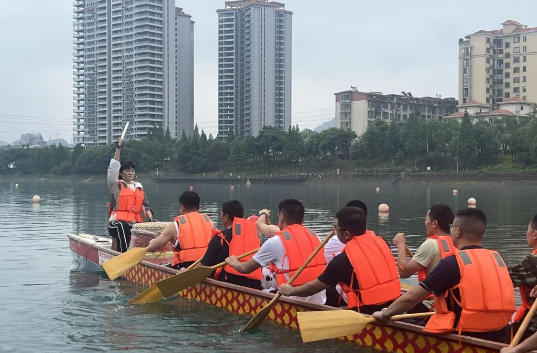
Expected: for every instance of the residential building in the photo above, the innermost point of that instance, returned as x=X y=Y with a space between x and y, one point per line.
x=32 y=140
x=498 y=64
x=515 y=107
x=355 y=109
x=254 y=67
x=133 y=61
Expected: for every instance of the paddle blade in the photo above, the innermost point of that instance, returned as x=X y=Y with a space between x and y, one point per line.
x=177 y=283
x=258 y=319
x=122 y=263
x=322 y=325
x=150 y=295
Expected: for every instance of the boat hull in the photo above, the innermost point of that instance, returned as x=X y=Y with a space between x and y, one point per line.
x=398 y=337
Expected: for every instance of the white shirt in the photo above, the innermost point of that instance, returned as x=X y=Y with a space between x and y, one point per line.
x=273 y=251
x=112 y=178
x=332 y=248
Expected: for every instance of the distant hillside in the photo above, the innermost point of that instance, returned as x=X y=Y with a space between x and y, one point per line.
x=58 y=141
x=326 y=125
x=3 y=143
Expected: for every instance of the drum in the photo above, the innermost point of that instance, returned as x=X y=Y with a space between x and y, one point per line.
x=141 y=235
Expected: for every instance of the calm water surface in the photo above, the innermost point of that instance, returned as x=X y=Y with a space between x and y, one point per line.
x=53 y=301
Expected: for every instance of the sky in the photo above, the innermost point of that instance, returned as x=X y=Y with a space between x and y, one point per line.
x=386 y=46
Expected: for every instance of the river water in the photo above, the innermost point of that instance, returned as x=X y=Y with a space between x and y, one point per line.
x=53 y=301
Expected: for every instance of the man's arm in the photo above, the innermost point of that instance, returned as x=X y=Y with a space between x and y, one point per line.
x=148 y=212
x=405 y=302
x=400 y=242
x=117 y=154
x=242 y=267
x=167 y=234
x=525 y=273
x=409 y=269
x=304 y=290
x=527 y=346
x=264 y=228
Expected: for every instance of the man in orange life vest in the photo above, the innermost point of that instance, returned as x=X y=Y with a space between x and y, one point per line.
x=286 y=251
x=366 y=291
x=437 y=245
x=474 y=294
x=189 y=234
x=529 y=344
x=524 y=276
x=131 y=201
x=239 y=237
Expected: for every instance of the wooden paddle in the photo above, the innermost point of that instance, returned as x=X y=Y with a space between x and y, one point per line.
x=258 y=319
x=322 y=325
x=153 y=294
x=120 y=264
x=408 y=251
x=524 y=325
x=177 y=283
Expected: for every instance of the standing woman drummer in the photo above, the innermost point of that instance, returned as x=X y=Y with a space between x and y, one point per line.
x=129 y=201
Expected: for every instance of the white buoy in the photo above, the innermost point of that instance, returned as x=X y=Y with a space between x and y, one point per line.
x=36 y=199
x=455 y=191
x=384 y=208
x=248 y=182
x=472 y=201
x=191 y=188
x=377 y=189
x=16 y=185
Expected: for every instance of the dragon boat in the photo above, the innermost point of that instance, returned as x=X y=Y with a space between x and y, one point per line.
x=396 y=337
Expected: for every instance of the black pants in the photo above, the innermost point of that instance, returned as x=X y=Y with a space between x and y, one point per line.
x=121 y=231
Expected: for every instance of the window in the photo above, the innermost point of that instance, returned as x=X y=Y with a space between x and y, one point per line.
x=507 y=65
x=465 y=81
x=465 y=62
x=507 y=45
x=465 y=92
x=488 y=50
x=506 y=95
x=516 y=40
x=524 y=58
x=524 y=38
x=516 y=60
x=507 y=75
x=523 y=68
x=516 y=50
x=516 y=79
x=523 y=78
x=524 y=48
x=507 y=55
x=465 y=71
x=523 y=88
x=488 y=40
x=507 y=85
x=516 y=89
x=516 y=70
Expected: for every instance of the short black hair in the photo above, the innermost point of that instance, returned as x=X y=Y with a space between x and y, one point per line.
x=233 y=209
x=292 y=210
x=473 y=221
x=190 y=200
x=352 y=219
x=125 y=166
x=533 y=223
x=443 y=214
x=357 y=203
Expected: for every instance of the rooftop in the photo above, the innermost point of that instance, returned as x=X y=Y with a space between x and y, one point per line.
x=242 y=4
x=473 y=103
x=520 y=28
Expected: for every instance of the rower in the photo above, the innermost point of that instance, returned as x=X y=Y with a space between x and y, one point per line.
x=474 y=294
x=189 y=234
x=437 y=246
x=524 y=276
x=131 y=201
x=285 y=252
x=367 y=290
x=238 y=237
x=334 y=245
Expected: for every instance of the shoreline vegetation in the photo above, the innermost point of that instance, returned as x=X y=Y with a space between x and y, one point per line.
x=418 y=150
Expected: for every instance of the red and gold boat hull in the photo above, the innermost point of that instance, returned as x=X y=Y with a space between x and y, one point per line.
x=397 y=337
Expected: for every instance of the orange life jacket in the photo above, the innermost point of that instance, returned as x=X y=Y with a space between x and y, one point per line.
x=195 y=232
x=524 y=294
x=375 y=269
x=129 y=203
x=445 y=243
x=299 y=243
x=486 y=292
x=245 y=238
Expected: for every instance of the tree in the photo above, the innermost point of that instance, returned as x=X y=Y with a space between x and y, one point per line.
x=414 y=138
x=487 y=144
x=467 y=142
x=293 y=148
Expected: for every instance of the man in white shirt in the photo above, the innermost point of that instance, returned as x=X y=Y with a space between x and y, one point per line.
x=273 y=252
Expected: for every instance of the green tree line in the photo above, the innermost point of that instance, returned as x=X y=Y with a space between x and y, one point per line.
x=411 y=146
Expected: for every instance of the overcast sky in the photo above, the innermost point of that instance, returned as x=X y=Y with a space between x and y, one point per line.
x=386 y=46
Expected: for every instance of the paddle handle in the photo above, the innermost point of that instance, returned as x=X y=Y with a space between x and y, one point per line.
x=524 y=325
x=411 y=316
x=125 y=130
x=308 y=260
x=408 y=251
x=194 y=264
x=222 y=264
